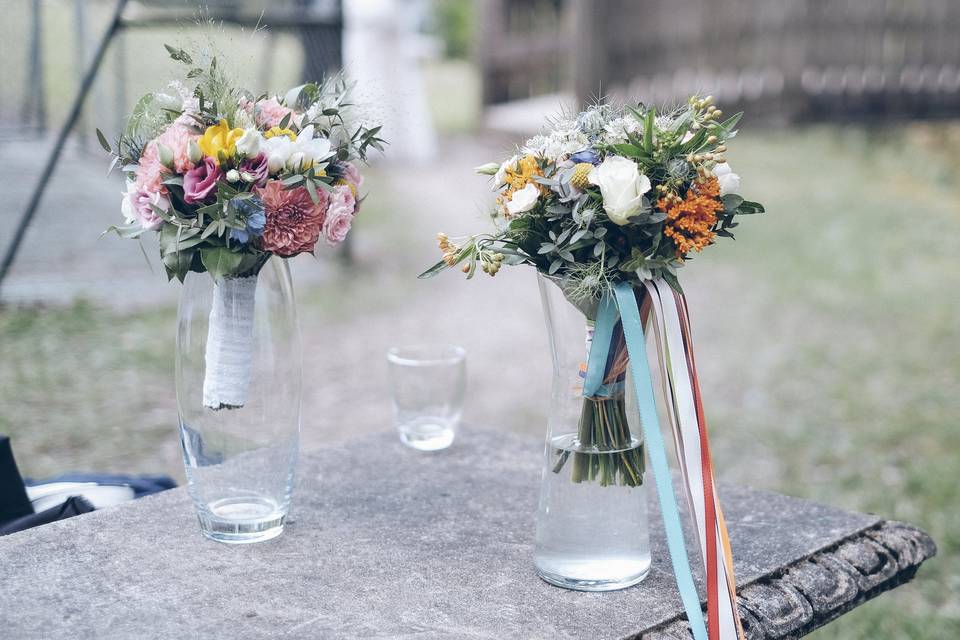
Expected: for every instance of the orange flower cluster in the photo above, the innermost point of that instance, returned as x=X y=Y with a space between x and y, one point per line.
x=517 y=177
x=690 y=220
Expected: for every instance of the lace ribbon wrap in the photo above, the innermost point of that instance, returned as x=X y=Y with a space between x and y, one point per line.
x=229 y=353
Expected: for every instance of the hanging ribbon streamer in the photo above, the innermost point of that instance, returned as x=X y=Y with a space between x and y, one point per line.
x=670 y=323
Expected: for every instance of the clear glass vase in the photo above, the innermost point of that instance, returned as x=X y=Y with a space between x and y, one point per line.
x=238 y=395
x=592 y=530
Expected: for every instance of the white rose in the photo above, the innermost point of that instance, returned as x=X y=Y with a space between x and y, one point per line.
x=233 y=175
x=248 y=145
x=729 y=181
x=523 y=199
x=621 y=186
x=500 y=177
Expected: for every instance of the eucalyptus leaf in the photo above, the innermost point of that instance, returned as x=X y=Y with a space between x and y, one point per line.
x=220 y=261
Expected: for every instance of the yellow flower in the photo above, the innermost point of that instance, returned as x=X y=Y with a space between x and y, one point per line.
x=581 y=174
x=277 y=131
x=219 y=139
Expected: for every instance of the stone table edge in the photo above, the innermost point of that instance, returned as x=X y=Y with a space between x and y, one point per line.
x=793 y=601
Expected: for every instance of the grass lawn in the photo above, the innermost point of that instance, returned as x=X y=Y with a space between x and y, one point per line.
x=828 y=338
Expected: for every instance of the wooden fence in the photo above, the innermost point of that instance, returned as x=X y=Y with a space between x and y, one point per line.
x=786 y=60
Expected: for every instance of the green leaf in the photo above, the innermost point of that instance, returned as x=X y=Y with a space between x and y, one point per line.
x=671 y=280
x=746 y=208
x=285 y=122
x=628 y=149
x=128 y=231
x=648 y=130
x=103 y=141
x=730 y=123
x=434 y=270
x=177 y=263
x=731 y=202
x=220 y=261
x=312 y=190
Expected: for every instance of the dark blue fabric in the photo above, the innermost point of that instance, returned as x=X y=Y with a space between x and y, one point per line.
x=74 y=506
x=141 y=485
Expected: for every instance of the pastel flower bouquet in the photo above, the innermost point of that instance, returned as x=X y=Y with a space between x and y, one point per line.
x=610 y=195
x=228 y=179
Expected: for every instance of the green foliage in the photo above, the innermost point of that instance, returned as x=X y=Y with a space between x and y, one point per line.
x=455 y=24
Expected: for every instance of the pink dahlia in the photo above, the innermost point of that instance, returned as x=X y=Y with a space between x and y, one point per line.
x=177 y=138
x=339 y=217
x=293 y=220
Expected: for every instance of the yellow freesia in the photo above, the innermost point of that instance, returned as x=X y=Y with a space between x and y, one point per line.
x=277 y=131
x=219 y=138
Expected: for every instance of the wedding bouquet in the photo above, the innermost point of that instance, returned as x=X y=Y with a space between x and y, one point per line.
x=227 y=179
x=610 y=195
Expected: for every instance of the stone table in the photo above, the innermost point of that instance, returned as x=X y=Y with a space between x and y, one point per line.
x=387 y=542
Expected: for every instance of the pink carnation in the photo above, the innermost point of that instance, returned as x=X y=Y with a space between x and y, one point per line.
x=339 y=215
x=293 y=220
x=150 y=173
x=177 y=138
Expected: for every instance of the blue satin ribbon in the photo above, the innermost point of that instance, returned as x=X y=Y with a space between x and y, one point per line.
x=656 y=448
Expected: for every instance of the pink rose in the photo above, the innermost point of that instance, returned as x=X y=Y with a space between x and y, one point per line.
x=138 y=206
x=339 y=218
x=200 y=182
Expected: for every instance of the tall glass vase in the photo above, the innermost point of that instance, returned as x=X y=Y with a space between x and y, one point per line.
x=592 y=531
x=238 y=395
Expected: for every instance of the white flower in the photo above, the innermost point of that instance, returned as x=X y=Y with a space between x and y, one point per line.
x=558 y=143
x=616 y=131
x=233 y=175
x=277 y=150
x=500 y=177
x=524 y=199
x=296 y=162
x=563 y=143
x=535 y=145
x=622 y=187
x=314 y=150
x=248 y=145
x=729 y=181
x=687 y=137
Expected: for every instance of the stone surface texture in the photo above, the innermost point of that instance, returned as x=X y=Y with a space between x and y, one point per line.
x=387 y=542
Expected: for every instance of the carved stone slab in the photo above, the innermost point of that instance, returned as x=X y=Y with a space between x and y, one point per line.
x=386 y=542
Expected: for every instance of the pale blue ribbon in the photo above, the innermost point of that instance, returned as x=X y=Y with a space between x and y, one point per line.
x=643 y=384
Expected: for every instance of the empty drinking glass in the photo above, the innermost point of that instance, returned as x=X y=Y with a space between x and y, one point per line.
x=428 y=383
